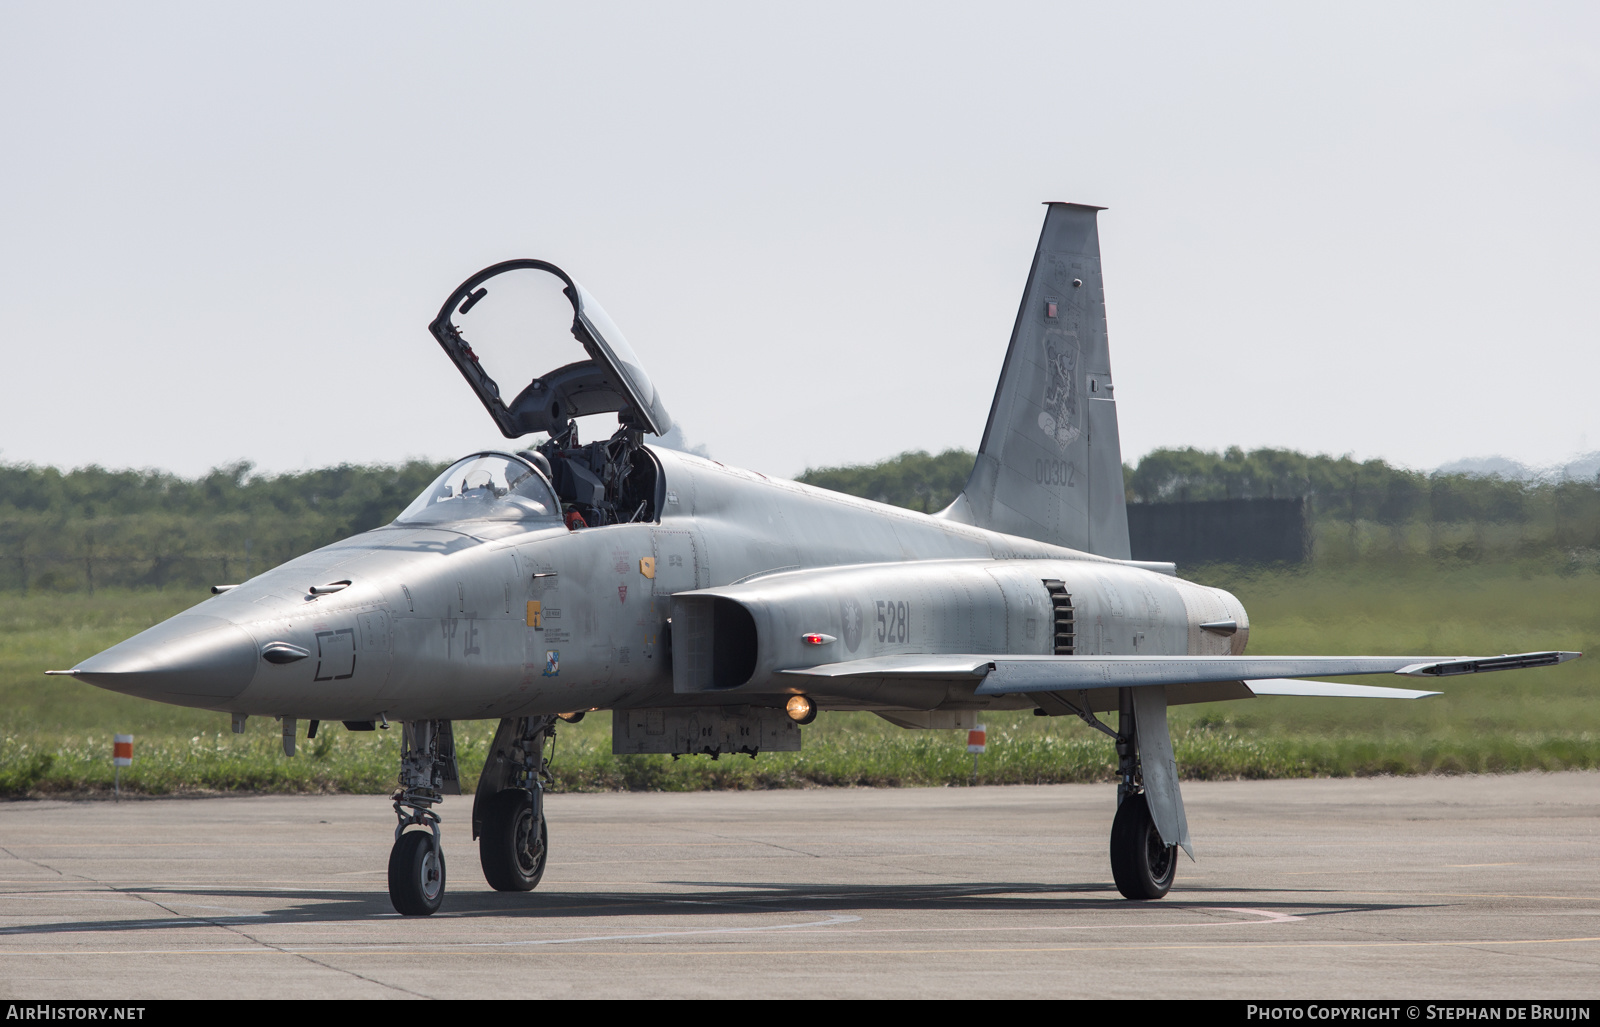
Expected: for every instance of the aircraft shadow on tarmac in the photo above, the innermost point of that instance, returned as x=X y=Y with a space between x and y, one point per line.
x=711 y=898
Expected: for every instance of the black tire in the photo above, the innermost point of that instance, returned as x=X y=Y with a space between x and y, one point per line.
x=513 y=847
x=1142 y=866
x=416 y=874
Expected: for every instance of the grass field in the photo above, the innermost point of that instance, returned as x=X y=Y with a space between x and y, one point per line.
x=55 y=734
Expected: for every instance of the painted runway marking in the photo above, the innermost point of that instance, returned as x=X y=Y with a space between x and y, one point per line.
x=1267 y=917
x=810 y=927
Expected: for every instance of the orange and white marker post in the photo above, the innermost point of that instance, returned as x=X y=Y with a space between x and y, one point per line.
x=977 y=744
x=121 y=756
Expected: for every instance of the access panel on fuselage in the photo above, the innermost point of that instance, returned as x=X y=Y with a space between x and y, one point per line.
x=676 y=561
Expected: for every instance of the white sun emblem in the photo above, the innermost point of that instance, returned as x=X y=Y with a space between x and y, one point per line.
x=851 y=611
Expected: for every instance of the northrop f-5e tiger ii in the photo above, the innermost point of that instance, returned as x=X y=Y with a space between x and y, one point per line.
x=715 y=610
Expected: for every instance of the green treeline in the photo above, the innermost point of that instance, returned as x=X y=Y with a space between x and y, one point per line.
x=1372 y=510
x=1359 y=510
x=1340 y=488
x=1373 y=490
x=913 y=479
x=90 y=528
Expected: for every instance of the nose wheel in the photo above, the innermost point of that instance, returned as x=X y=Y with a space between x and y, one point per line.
x=416 y=874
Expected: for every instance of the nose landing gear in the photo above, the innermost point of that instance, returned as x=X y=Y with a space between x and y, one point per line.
x=427 y=773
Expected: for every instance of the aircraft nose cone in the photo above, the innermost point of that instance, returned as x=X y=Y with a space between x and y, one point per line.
x=190 y=660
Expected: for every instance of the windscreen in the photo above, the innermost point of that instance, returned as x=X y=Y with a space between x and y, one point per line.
x=484 y=487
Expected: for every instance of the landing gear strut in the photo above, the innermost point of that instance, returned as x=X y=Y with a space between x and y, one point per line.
x=427 y=774
x=1141 y=864
x=508 y=812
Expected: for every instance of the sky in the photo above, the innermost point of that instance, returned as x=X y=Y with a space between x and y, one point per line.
x=1356 y=228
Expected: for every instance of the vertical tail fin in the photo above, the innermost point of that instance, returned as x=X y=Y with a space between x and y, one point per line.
x=1050 y=466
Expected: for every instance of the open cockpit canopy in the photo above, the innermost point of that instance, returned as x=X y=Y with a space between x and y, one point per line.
x=494 y=311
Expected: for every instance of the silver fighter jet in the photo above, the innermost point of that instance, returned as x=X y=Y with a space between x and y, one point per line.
x=716 y=610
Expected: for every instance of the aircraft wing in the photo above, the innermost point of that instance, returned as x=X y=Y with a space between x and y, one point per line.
x=1004 y=674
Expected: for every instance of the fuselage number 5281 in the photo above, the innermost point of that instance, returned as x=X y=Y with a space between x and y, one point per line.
x=892 y=620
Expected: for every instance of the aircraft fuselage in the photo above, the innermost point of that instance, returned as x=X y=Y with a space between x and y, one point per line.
x=485 y=620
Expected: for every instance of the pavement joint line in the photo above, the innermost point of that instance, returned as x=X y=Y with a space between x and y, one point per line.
x=661 y=950
x=216 y=922
x=230 y=928
x=226 y=921
x=807 y=928
x=34 y=862
x=1476 y=895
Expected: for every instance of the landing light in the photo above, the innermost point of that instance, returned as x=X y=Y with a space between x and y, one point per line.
x=800 y=709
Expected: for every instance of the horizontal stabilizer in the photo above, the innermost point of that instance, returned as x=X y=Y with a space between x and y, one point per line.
x=1005 y=674
x=1331 y=689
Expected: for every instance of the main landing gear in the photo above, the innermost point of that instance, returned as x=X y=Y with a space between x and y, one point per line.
x=515 y=840
x=1141 y=864
x=507 y=811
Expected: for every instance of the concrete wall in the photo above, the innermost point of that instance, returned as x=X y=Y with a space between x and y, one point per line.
x=1240 y=531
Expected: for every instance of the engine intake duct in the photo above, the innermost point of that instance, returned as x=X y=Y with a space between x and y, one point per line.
x=714 y=644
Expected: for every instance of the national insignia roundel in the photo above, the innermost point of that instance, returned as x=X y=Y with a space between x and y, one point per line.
x=850 y=614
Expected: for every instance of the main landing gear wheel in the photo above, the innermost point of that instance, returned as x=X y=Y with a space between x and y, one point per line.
x=1143 y=867
x=416 y=874
x=515 y=842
